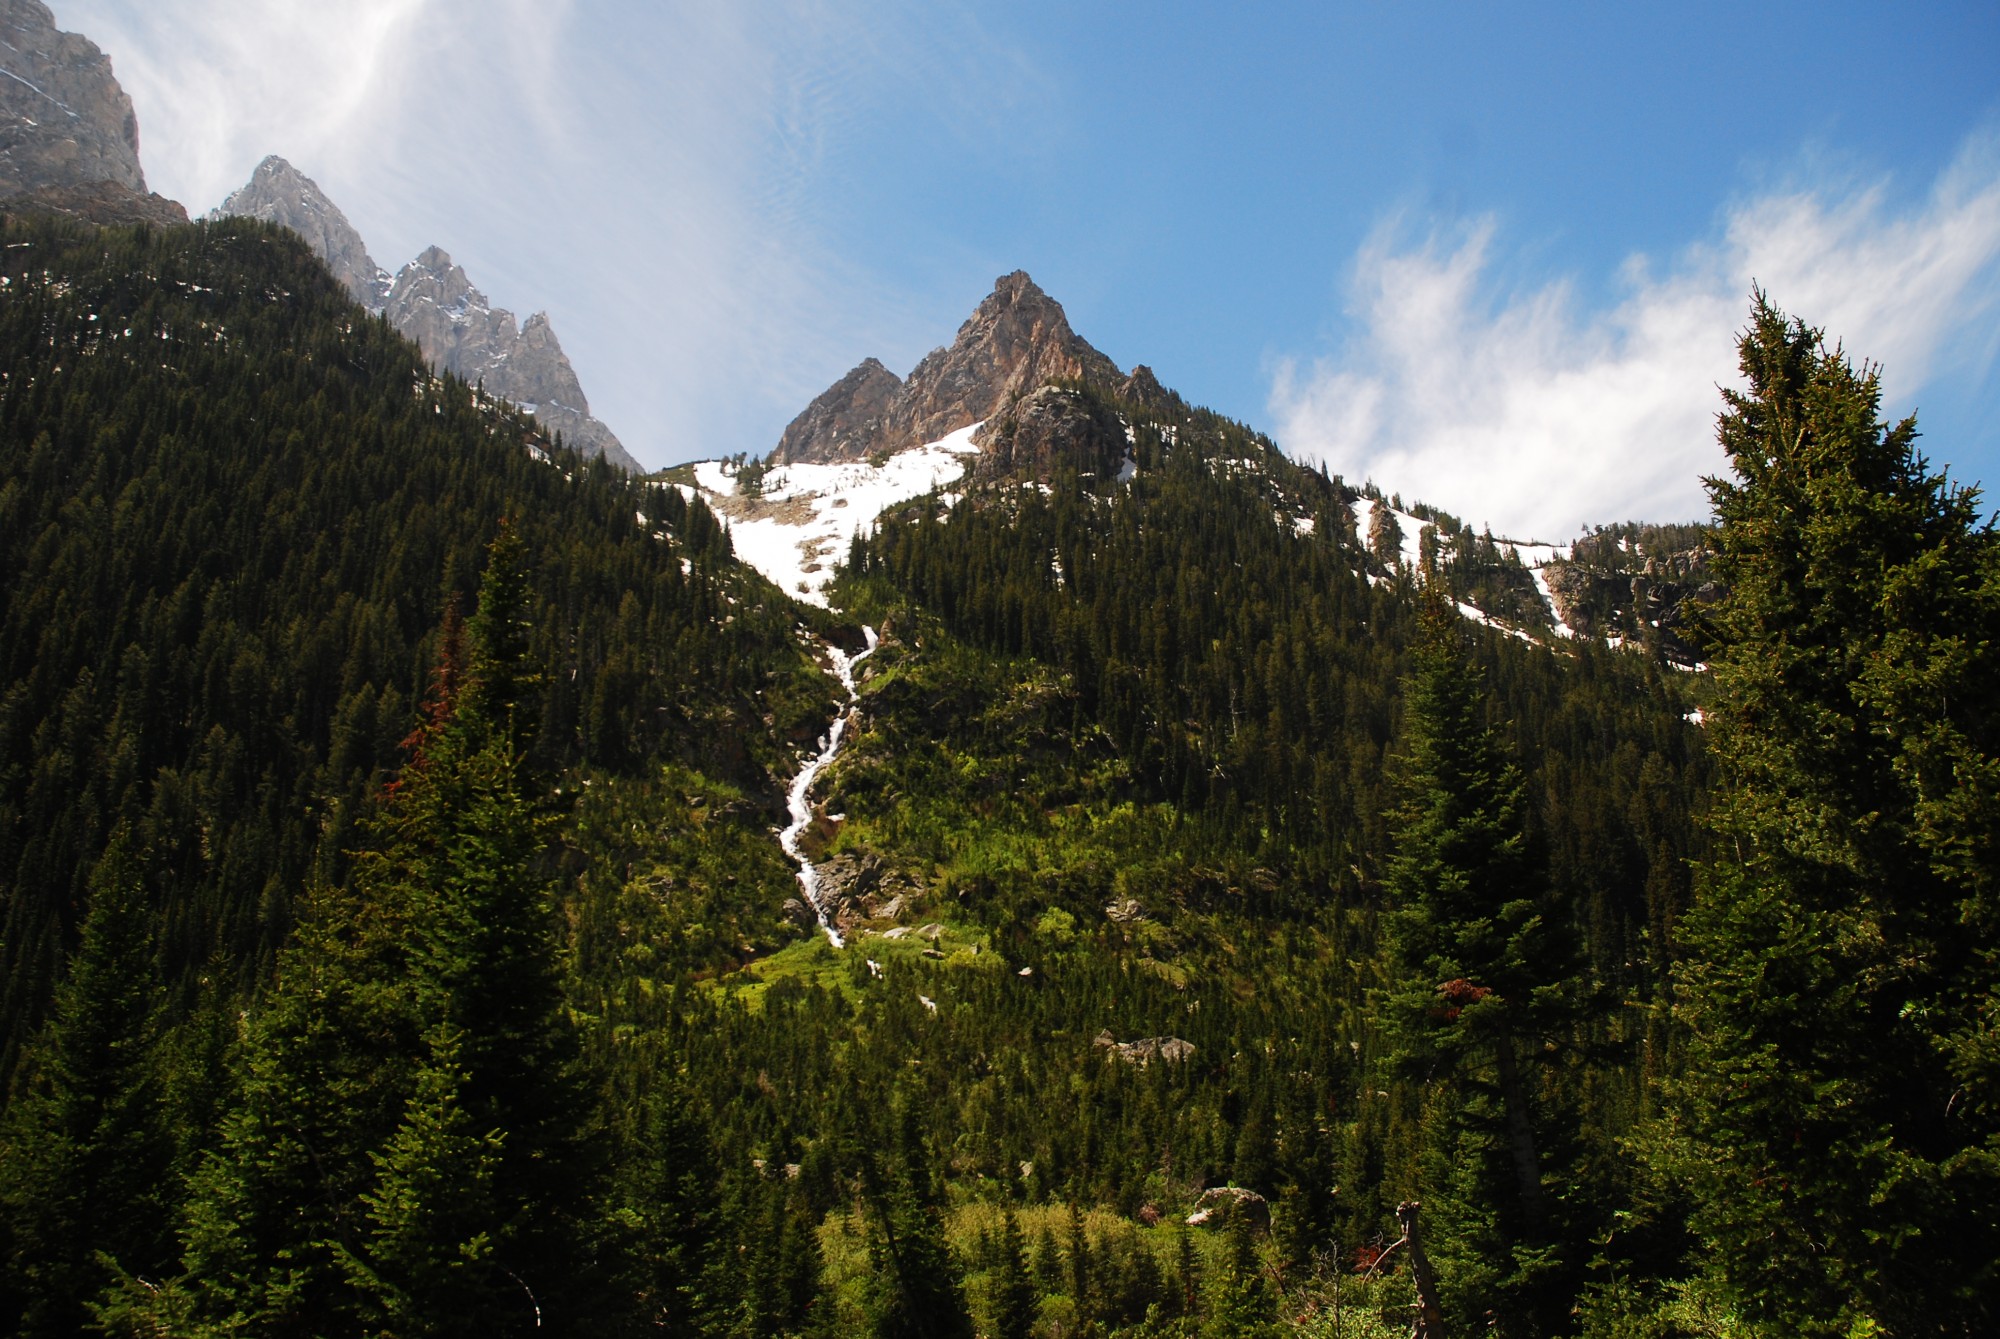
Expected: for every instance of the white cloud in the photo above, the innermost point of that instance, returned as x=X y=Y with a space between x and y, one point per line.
x=1532 y=413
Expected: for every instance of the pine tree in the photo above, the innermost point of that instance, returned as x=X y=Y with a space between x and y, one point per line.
x=674 y=1227
x=86 y=1156
x=427 y=1265
x=411 y=1147
x=915 y=1286
x=1481 y=975
x=1014 y=1291
x=1840 y=1113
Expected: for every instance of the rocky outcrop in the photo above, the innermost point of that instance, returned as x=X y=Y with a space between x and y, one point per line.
x=433 y=302
x=1639 y=582
x=855 y=890
x=279 y=193
x=1017 y=341
x=1167 y=1050
x=1221 y=1205
x=64 y=120
x=105 y=203
x=1051 y=429
x=845 y=420
x=69 y=139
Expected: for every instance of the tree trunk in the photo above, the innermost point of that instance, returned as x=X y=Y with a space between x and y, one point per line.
x=1429 y=1322
x=1520 y=1133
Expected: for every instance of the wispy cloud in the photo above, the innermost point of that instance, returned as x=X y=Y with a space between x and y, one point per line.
x=1536 y=413
x=655 y=176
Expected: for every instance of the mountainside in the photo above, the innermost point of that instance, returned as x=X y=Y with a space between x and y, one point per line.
x=231 y=516
x=69 y=138
x=1026 y=858
x=433 y=302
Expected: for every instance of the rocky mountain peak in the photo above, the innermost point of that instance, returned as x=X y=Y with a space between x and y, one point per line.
x=69 y=139
x=433 y=301
x=1016 y=340
x=279 y=193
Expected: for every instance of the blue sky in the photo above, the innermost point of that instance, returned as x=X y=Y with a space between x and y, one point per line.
x=1490 y=256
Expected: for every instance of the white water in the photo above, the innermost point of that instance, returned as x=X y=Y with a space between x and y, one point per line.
x=800 y=802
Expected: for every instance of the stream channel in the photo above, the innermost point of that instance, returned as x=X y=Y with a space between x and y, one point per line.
x=800 y=798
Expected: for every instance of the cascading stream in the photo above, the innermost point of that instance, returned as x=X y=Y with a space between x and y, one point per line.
x=800 y=801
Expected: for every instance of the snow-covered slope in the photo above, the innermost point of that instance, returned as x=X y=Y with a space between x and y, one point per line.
x=795 y=528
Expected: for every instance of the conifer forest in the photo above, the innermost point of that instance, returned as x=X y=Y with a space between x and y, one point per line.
x=1218 y=932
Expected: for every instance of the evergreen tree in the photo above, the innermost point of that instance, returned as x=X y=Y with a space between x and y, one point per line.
x=915 y=1286
x=675 y=1233
x=427 y=1265
x=1840 y=1117
x=411 y=1149
x=86 y=1155
x=1014 y=1292
x=1239 y=1304
x=1481 y=975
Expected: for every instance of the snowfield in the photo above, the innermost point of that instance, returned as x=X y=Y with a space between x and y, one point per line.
x=796 y=530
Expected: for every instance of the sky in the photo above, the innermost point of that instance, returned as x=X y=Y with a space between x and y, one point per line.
x=1491 y=257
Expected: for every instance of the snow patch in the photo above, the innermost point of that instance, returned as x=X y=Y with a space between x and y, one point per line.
x=798 y=526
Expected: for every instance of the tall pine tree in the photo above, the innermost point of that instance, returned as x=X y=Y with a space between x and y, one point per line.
x=1482 y=975
x=86 y=1157
x=411 y=1152
x=1839 y=1119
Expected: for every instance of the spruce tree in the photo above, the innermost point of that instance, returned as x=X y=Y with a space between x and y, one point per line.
x=1482 y=975
x=916 y=1290
x=1014 y=1291
x=1839 y=1118
x=86 y=1156
x=412 y=1147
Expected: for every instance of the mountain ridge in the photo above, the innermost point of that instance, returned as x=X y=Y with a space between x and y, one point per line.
x=433 y=301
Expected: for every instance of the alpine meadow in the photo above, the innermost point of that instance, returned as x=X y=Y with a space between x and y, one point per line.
x=1025 y=856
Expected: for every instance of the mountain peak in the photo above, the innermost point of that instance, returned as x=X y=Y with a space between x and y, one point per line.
x=279 y=193
x=1016 y=340
x=432 y=301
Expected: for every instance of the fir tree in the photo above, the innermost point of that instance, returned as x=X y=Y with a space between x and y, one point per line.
x=1014 y=1291
x=86 y=1156
x=1839 y=1118
x=1481 y=975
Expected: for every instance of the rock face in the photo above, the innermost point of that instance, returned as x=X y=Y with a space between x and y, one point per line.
x=69 y=139
x=63 y=118
x=1050 y=428
x=1017 y=341
x=845 y=420
x=279 y=193
x=432 y=302
x=1641 y=582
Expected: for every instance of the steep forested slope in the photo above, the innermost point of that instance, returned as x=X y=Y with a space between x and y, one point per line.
x=233 y=510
